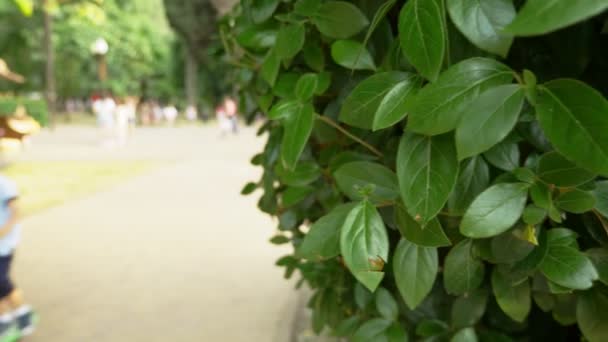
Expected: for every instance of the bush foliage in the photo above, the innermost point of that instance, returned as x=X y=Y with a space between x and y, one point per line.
x=439 y=166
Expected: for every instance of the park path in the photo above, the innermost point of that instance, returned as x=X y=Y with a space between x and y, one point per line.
x=175 y=254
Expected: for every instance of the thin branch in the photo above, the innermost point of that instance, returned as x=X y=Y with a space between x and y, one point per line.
x=601 y=219
x=350 y=135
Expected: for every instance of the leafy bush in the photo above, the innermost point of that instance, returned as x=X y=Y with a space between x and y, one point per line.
x=35 y=108
x=451 y=156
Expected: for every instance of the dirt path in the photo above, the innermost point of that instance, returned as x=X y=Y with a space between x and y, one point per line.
x=172 y=255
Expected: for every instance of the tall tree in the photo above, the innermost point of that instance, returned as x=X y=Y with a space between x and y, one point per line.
x=194 y=22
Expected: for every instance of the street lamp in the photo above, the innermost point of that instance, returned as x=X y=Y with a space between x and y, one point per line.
x=100 y=48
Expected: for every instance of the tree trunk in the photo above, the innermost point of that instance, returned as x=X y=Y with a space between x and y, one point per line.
x=191 y=78
x=50 y=61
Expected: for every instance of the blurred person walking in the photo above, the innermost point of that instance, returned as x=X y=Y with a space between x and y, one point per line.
x=231 y=112
x=104 y=109
x=170 y=114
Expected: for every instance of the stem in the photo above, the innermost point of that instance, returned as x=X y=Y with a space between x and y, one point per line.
x=518 y=78
x=448 y=58
x=601 y=219
x=350 y=135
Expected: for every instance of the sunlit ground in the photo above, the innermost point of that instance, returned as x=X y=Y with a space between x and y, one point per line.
x=44 y=184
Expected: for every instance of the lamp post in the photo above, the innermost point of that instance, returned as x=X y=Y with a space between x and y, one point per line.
x=100 y=48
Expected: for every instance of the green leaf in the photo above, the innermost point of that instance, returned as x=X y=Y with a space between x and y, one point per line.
x=462 y=272
x=423 y=35
x=601 y=196
x=542 y=16
x=495 y=210
x=427 y=170
x=323 y=240
x=431 y=327
x=439 y=106
x=386 y=305
x=396 y=333
x=362 y=103
x=323 y=82
x=261 y=10
x=290 y=40
x=392 y=107
x=504 y=156
x=467 y=310
x=372 y=330
x=524 y=174
x=415 y=269
x=353 y=176
x=431 y=235
x=306 y=86
x=307 y=8
x=575 y=201
x=364 y=244
x=489 y=120
x=599 y=257
x=25 y=6
x=314 y=55
x=567 y=266
x=363 y=297
x=465 y=335
x=509 y=247
x=295 y=194
x=572 y=115
x=514 y=300
x=249 y=188
x=279 y=239
x=304 y=173
x=295 y=137
x=352 y=55
x=257 y=38
x=482 y=22
x=534 y=215
x=348 y=326
x=592 y=315
x=270 y=67
x=286 y=84
x=554 y=169
x=284 y=108
x=473 y=178
x=339 y=19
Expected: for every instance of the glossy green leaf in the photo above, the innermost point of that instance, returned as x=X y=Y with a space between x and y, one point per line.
x=348 y=326
x=482 y=22
x=261 y=10
x=504 y=155
x=465 y=335
x=386 y=304
x=257 y=38
x=362 y=103
x=284 y=108
x=575 y=201
x=510 y=247
x=304 y=173
x=432 y=235
x=495 y=210
x=307 y=7
x=534 y=215
x=249 y=188
x=567 y=266
x=352 y=55
x=270 y=67
x=363 y=297
x=514 y=300
x=554 y=169
x=290 y=41
x=306 y=86
x=431 y=327
x=462 y=273
x=422 y=34
x=427 y=170
x=543 y=16
x=473 y=178
x=396 y=333
x=467 y=310
x=490 y=118
x=391 y=109
x=573 y=115
x=286 y=84
x=599 y=258
x=372 y=330
x=354 y=176
x=592 y=315
x=601 y=196
x=339 y=19
x=323 y=240
x=297 y=132
x=439 y=106
x=364 y=244
x=314 y=55
x=415 y=269
x=295 y=194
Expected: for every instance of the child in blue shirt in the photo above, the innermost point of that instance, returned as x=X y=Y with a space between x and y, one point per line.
x=14 y=313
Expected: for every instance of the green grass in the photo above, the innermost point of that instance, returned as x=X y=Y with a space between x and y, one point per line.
x=50 y=183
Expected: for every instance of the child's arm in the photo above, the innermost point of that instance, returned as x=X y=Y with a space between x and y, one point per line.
x=12 y=218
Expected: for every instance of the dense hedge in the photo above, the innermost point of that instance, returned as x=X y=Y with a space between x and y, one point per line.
x=438 y=166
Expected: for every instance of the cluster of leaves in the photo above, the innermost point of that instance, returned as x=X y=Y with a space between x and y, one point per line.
x=450 y=155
